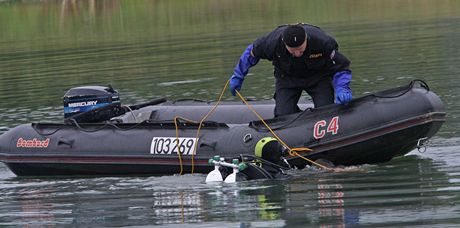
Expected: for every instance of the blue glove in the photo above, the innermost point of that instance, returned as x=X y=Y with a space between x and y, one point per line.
x=241 y=69
x=235 y=84
x=343 y=96
x=341 y=83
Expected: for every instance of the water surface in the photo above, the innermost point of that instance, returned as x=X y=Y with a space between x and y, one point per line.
x=187 y=49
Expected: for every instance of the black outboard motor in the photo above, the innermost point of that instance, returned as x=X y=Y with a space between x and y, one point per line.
x=93 y=104
x=90 y=104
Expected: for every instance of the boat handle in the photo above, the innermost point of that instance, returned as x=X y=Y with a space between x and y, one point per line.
x=212 y=145
x=247 y=138
x=421 y=144
x=68 y=142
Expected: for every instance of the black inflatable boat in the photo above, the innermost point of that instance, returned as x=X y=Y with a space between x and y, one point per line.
x=111 y=139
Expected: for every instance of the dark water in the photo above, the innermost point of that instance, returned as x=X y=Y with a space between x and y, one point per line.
x=184 y=49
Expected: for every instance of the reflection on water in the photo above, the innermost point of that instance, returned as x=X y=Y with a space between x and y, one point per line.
x=331 y=206
x=380 y=195
x=187 y=49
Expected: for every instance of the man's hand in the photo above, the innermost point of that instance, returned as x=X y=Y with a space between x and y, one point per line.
x=235 y=84
x=343 y=96
x=341 y=82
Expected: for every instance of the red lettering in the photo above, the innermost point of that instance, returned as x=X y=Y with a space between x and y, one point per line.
x=333 y=126
x=320 y=130
x=34 y=143
x=317 y=131
x=45 y=143
x=19 y=143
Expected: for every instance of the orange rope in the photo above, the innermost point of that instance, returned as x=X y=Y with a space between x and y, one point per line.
x=302 y=149
x=200 y=124
x=177 y=142
x=292 y=152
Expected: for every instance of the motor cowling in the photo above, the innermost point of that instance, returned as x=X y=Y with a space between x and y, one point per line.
x=86 y=103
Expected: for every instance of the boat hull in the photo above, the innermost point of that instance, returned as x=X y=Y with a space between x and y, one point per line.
x=371 y=129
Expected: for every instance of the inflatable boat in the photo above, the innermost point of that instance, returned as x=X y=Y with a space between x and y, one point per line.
x=102 y=137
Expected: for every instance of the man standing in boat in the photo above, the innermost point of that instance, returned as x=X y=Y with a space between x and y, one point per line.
x=305 y=59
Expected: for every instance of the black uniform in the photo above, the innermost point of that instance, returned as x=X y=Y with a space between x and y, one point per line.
x=311 y=72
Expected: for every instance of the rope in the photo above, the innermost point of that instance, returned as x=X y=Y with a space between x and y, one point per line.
x=292 y=151
x=177 y=142
x=409 y=87
x=200 y=124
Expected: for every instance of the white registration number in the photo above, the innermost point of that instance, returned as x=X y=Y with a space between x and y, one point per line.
x=169 y=145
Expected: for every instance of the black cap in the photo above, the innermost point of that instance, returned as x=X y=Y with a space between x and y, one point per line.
x=294 y=35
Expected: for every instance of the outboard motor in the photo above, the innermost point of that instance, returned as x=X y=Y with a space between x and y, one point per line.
x=89 y=104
